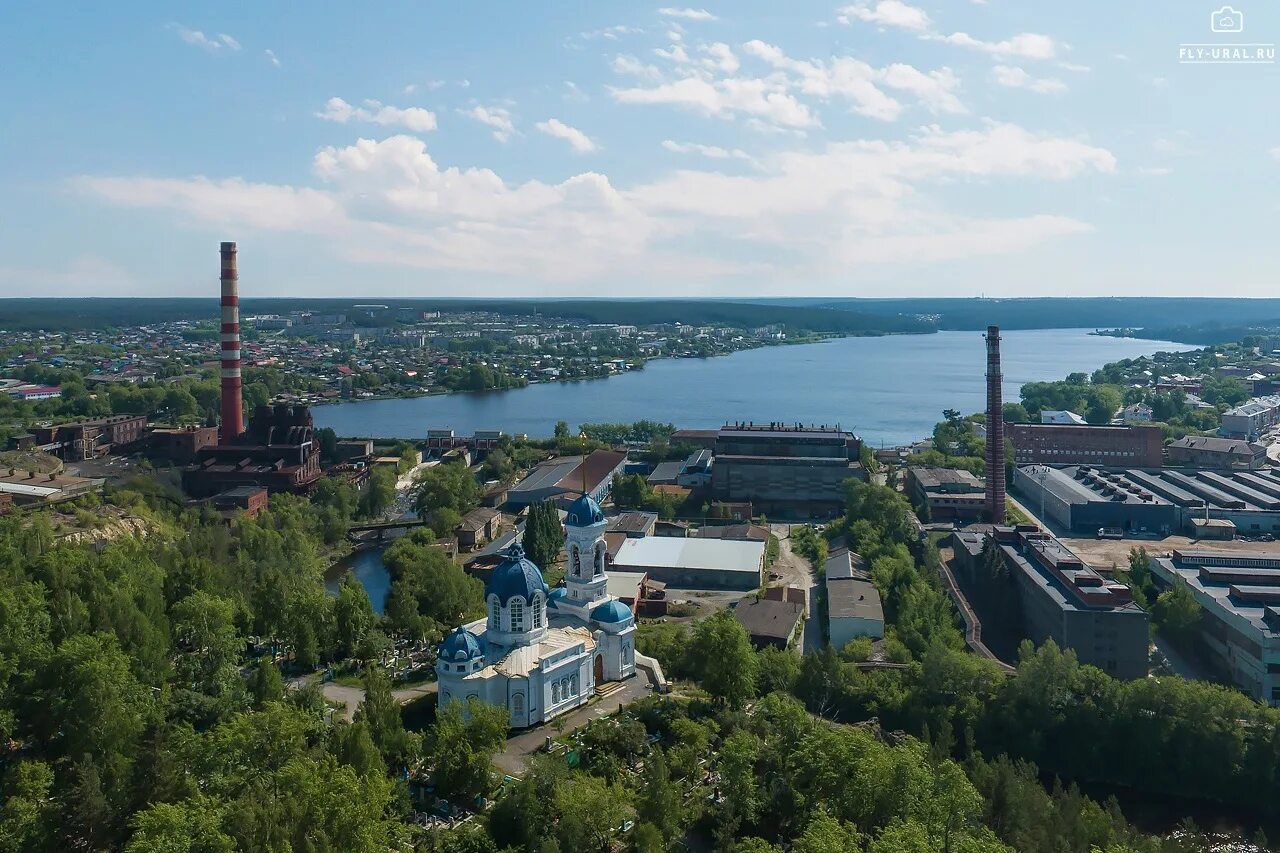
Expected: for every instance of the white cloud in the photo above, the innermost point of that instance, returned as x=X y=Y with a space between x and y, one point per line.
x=610 y=33
x=725 y=98
x=719 y=57
x=1275 y=153
x=1155 y=171
x=632 y=67
x=1074 y=67
x=578 y=141
x=573 y=92
x=888 y=13
x=272 y=58
x=1017 y=78
x=195 y=38
x=863 y=201
x=498 y=118
x=859 y=83
x=1021 y=46
x=713 y=152
x=676 y=53
x=687 y=14
x=416 y=119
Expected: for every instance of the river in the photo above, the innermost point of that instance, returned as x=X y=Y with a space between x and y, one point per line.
x=890 y=390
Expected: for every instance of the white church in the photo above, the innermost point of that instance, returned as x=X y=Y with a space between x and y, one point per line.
x=541 y=652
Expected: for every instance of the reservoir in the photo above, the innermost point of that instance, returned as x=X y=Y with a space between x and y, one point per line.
x=889 y=390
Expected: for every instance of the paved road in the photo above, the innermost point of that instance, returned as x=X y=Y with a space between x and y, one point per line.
x=350 y=697
x=796 y=571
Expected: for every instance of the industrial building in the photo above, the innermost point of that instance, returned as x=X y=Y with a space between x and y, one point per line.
x=564 y=477
x=1073 y=444
x=1049 y=416
x=695 y=471
x=1084 y=498
x=32 y=488
x=440 y=441
x=1205 y=452
x=278 y=452
x=1239 y=594
x=694 y=563
x=180 y=445
x=1064 y=600
x=785 y=468
x=854 y=608
x=947 y=494
x=82 y=440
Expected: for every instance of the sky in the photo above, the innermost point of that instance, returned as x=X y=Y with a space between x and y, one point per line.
x=863 y=148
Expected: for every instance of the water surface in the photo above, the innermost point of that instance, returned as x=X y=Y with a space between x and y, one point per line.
x=890 y=390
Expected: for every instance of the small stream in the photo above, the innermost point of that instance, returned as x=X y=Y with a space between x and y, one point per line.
x=369 y=570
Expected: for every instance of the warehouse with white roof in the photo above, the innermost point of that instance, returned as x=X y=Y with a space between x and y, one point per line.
x=694 y=563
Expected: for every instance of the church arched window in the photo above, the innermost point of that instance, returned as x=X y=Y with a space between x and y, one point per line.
x=599 y=559
x=495 y=614
x=517 y=703
x=575 y=562
x=555 y=692
x=516 y=609
x=536 y=615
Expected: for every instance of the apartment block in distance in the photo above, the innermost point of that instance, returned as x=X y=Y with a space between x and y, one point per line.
x=1073 y=444
x=1239 y=596
x=785 y=468
x=1070 y=603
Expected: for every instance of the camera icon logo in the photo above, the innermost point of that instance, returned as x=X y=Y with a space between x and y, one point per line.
x=1227 y=20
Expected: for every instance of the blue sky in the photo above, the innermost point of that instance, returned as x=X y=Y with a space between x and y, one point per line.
x=850 y=148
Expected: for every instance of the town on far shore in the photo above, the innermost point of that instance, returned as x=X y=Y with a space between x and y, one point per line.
x=609 y=597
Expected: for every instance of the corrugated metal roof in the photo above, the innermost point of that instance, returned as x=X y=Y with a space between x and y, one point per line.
x=686 y=553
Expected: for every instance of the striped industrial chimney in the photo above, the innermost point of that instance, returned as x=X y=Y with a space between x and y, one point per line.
x=995 y=429
x=232 y=401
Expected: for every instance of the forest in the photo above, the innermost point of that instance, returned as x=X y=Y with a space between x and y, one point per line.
x=70 y=314
x=157 y=694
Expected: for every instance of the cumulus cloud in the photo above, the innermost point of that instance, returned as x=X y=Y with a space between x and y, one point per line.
x=862 y=201
x=720 y=57
x=629 y=66
x=895 y=13
x=498 y=118
x=1017 y=78
x=214 y=44
x=732 y=96
x=1021 y=46
x=687 y=14
x=578 y=141
x=859 y=83
x=416 y=119
x=888 y=13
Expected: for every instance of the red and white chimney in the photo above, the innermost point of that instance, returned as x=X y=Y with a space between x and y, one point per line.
x=232 y=399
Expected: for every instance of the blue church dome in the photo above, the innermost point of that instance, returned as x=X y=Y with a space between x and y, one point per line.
x=461 y=645
x=557 y=594
x=611 y=612
x=585 y=512
x=516 y=575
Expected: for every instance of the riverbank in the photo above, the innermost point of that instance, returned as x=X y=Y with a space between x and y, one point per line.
x=890 y=389
x=634 y=363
